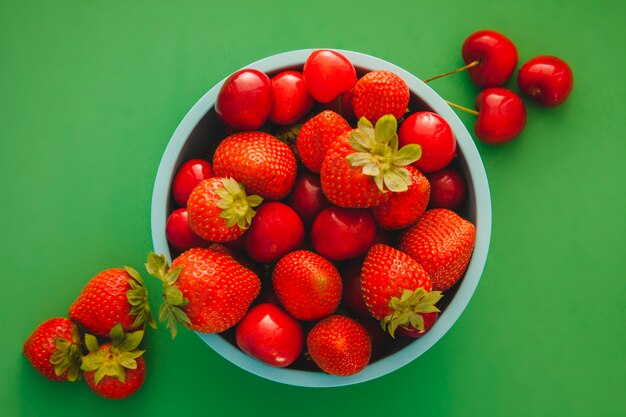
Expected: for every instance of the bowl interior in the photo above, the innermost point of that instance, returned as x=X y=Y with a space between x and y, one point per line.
x=199 y=133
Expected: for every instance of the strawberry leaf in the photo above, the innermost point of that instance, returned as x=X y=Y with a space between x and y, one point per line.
x=157 y=265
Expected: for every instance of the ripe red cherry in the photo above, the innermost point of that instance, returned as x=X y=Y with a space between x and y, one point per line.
x=269 y=334
x=190 y=174
x=339 y=233
x=342 y=105
x=547 y=79
x=307 y=198
x=275 y=230
x=433 y=134
x=291 y=98
x=352 y=295
x=496 y=56
x=245 y=100
x=447 y=189
x=328 y=74
x=179 y=234
x=502 y=116
x=429 y=321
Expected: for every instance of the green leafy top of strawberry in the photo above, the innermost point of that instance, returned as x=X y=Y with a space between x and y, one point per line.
x=67 y=356
x=235 y=204
x=137 y=297
x=171 y=310
x=376 y=151
x=408 y=308
x=115 y=359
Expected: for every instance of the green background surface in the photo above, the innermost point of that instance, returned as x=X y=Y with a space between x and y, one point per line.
x=91 y=93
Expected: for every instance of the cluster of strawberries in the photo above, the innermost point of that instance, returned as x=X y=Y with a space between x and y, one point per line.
x=298 y=208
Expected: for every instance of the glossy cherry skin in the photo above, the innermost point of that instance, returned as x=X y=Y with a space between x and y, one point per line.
x=429 y=322
x=275 y=230
x=291 y=98
x=328 y=74
x=339 y=233
x=307 y=198
x=501 y=118
x=447 y=189
x=190 y=174
x=547 y=79
x=269 y=334
x=434 y=135
x=497 y=56
x=352 y=294
x=245 y=100
x=179 y=234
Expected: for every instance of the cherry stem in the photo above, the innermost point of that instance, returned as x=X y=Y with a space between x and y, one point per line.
x=465 y=109
x=463 y=68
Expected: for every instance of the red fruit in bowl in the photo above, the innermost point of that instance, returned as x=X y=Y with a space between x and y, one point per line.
x=263 y=164
x=276 y=229
x=307 y=198
x=291 y=98
x=328 y=74
x=501 y=117
x=219 y=210
x=352 y=294
x=317 y=136
x=434 y=135
x=397 y=290
x=447 y=189
x=442 y=242
x=378 y=93
x=53 y=349
x=307 y=285
x=116 y=369
x=178 y=232
x=342 y=105
x=495 y=55
x=245 y=100
x=269 y=334
x=203 y=290
x=363 y=167
x=190 y=174
x=339 y=345
x=403 y=209
x=339 y=233
x=114 y=296
x=547 y=79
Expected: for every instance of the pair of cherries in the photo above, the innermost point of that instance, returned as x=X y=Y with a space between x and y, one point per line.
x=490 y=59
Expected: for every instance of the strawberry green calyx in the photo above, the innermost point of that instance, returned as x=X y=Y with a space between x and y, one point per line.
x=115 y=359
x=172 y=308
x=376 y=151
x=237 y=207
x=67 y=356
x=406 y=310
x=137 y=297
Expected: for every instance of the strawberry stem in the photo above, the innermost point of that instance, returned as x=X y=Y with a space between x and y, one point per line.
x=445 y=74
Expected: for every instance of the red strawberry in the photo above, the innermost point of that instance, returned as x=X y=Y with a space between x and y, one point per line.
x=116 y=369
x=363 y=166
x=403 y=209
x=307 y=285
x=114 y=296
x=442 y=242
x=378 y=93
x=339 y=345
x=219 y=210
x=397 y=290
x=54 y=350
x=317 y=135
x=203 y=290
x=265 y=165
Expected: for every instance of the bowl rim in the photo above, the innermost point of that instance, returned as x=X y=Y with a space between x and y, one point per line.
x=475 y=170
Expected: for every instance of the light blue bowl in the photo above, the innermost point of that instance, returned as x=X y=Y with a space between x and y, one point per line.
x=199 y=127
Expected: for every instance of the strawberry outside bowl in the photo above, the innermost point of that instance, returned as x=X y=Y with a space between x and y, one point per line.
x=198 y=135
